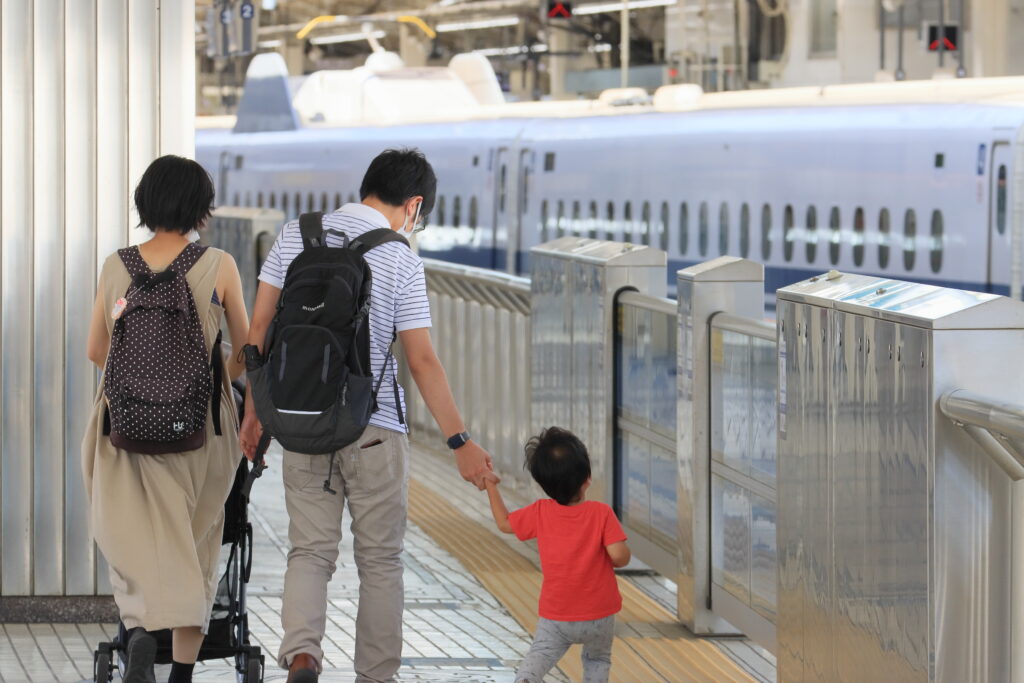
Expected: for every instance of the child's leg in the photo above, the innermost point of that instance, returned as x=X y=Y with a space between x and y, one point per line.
x=597 y=637
x=549 y=644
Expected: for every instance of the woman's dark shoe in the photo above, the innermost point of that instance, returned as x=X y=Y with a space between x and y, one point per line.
x=303 y=670
x=141 y=653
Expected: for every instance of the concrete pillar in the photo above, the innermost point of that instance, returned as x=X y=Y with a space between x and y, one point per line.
x=413 y=45
x=294 y=54
x=559 y=40
x=988 y=43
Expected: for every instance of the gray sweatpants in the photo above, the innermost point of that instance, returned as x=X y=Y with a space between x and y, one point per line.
x=554 y=638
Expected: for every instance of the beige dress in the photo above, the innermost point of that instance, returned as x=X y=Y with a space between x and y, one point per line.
x=159 y=518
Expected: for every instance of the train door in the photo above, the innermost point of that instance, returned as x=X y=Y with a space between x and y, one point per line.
x=501 y=223
x=518 y=244
x=1000 y=232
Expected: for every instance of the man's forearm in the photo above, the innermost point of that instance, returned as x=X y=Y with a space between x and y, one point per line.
x=432 y=382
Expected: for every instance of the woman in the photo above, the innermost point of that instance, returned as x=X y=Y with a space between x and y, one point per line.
x=159 y=518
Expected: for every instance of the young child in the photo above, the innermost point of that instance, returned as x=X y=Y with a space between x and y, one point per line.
x=580 y=542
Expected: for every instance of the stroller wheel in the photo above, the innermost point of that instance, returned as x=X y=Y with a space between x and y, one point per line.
x=254 y=667
x=101 y=664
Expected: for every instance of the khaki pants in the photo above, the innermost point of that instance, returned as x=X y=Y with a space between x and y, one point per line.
x=373 y=476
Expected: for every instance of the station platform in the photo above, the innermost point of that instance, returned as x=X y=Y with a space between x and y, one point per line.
x=470 y=610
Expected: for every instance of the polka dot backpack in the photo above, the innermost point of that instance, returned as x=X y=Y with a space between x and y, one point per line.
x=159 y=379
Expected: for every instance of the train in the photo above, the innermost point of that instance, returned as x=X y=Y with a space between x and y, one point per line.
x=920 y=181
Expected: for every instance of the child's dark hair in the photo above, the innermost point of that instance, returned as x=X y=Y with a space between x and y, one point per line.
x=558 y=462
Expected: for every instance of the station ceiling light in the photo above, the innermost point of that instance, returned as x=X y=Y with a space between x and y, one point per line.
x=346 y=38
x=609 y=7
x=492 y=22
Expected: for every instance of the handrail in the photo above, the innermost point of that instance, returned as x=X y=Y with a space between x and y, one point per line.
x=486 y=287
x=651 y=303
x=997 y=427
x=762 y=329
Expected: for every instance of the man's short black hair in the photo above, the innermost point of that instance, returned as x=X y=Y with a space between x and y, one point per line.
x=175 y=194
x=559 y=462
x=398 y=174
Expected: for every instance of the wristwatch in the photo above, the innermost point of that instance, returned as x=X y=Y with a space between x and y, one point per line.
x=458 y=441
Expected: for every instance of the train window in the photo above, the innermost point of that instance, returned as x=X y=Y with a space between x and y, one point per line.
x=723 y=229
x=1001 y=199
x=627 y=222
x=544 y=221
x=284 y=205
x=834 y=236
x=298 y=203
x=577 y=223
x=352 y=198
x=909 y=239
x=883 y=239
x=592 y=221
x=237 y=201
x=457 y=211
x=663 y=228
x=858 y=237
x=441 y=213
x=248 y=198
x=472 y=212
x=259 y=200
x=788 y=233
x=337 y=200
x=645 y=224
x=609 y=224
x=560 y=219
x=702 y=230
x=503 y=188
x=745 y=230
x=937 y=245
x=273 y=200
x=766 y=232
x=549 y=162
x=323 y=202
x=684 y=228
x=811 y=234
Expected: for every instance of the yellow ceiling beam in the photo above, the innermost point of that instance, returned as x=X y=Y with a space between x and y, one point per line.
x=416 y=21
x=304 y=31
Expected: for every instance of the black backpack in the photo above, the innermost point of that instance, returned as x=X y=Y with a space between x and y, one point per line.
x=312 y=386
x=159 y=380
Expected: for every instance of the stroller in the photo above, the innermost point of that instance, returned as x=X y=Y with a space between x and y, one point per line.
x=228 y=634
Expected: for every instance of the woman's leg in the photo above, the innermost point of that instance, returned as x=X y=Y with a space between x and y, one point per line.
x=185 y=644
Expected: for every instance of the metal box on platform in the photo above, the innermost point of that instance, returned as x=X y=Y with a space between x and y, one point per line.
x=573 y=287
x=894 y=528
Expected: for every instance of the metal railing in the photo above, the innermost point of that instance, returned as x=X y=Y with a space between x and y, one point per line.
x=998 y=428
x=481 y=333
x=744 y=553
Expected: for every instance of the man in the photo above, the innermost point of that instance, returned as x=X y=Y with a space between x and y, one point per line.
x=397 y=192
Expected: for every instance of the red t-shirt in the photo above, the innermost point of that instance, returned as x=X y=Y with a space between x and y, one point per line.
x=579 y=580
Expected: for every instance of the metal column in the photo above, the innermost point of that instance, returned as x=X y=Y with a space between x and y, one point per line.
x=573 y=289
x=731 y=285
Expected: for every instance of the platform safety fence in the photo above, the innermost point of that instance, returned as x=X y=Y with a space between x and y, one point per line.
x=481 y=332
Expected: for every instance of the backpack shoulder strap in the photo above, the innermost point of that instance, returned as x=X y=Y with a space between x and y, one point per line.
x=188 y=257
x=375 y=238
x=133 y=261
x=312 y=228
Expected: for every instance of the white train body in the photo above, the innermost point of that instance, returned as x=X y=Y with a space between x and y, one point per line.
x=921 y=181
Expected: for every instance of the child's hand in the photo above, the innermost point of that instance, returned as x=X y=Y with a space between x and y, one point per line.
x=491 y=483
